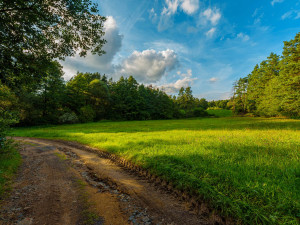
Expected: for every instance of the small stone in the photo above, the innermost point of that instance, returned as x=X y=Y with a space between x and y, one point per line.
x=131 y=218
x=146 y=219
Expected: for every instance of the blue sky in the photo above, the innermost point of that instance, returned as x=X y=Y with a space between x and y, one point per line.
x=203 y=44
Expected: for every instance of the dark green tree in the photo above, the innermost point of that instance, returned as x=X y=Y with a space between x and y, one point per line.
x=34 y=32
x=45 y=105
x=186 y=99
x=202 y=103
x=8 y=111
x=289 y=78
x=240 y=96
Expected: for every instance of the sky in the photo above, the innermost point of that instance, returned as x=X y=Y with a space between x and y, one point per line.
x=204 y=44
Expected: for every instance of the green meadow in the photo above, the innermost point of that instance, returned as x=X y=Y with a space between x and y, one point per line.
x=220 y=112
x=246 y=168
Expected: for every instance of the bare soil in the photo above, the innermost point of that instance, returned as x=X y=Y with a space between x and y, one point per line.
x=63 y=183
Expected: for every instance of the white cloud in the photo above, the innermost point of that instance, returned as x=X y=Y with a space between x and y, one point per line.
x=153 y=15
x=276 y=1
x=213 y=80
x=114 y=40
x=243 y=37
x=211 y=32
x=291 y=14
x=166 y=15
x=149 y=65
x=258 y=14
x=211 y=15
x=168 y=44
x=190 y=6
x=95 y=63
x=171 y=7
x=186 y=81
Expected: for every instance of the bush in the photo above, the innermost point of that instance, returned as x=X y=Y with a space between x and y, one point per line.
x=68 y=117
x=199 y=112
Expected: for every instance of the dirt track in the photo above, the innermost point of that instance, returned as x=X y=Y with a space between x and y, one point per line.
x=62 y=183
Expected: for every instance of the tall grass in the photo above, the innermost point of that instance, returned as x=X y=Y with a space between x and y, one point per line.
x=245 y=167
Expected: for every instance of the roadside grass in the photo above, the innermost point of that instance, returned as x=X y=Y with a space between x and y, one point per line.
x=10 y=160
x=247 y=168
x=220 y=112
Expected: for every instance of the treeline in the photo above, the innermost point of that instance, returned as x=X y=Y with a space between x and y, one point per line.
x=91 y=97
x=219 y=104
x=273 y=87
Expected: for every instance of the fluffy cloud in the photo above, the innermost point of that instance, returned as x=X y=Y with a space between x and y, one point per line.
x=243 y=37
x=276 y=1
x=171 y=8
x=186 y=81
x=114 y=40
x=190 y=6
x=149 y=65
x=211 y=15
x=95 y=63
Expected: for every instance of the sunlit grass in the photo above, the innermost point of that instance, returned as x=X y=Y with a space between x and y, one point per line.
x=247 y=168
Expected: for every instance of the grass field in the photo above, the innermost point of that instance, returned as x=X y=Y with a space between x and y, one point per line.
x=220 y=112
x=247 y=168
x=10 y=160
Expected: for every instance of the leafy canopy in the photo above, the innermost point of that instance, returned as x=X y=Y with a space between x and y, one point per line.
x=34 y=32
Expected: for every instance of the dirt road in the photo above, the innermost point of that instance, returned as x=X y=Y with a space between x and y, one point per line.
x=65 y=183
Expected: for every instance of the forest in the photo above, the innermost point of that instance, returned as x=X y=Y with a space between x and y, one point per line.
x=273 y=87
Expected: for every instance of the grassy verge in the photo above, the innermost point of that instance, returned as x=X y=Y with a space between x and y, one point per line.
x=244 y=167
x=10 y=160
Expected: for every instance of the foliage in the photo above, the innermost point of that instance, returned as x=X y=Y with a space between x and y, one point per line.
x=202 y=103
x=87 y=114
x=199 y=112
x=219 y=104
x=44 y=105
x=247 y=168
x=68 y=117
x=8 y=112
x=273 y=87
x=35 y=32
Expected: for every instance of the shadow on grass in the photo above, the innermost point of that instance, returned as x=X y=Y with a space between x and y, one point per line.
x=199 y=124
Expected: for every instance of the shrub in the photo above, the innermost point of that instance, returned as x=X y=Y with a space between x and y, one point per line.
x=199 y=112
x=68 y=117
